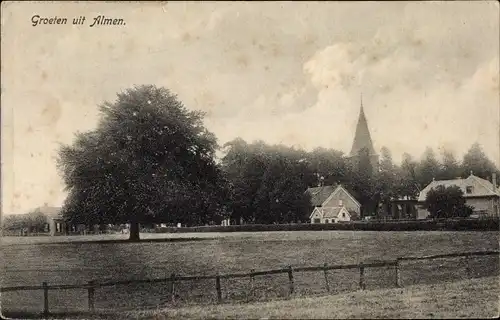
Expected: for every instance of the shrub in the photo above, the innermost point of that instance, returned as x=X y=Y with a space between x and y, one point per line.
x=451 y=225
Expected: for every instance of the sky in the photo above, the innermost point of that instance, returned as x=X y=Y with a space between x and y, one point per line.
x=281 y=72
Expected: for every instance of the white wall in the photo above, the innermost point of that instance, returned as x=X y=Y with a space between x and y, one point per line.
x=342 y=218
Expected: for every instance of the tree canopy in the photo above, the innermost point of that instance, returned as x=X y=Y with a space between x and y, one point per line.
x=268 y=182
x=476 y=161
x=149 y=159
x=447 y=202
x=257 y=171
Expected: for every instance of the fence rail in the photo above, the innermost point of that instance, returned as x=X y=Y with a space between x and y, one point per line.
x=92 y=285
x=451 y=255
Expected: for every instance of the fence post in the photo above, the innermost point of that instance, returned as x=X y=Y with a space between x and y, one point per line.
x=290 y=279
x=467 y=266
x=217 y=287
x=172 y=288
x=361 y=276
x=252 y=283
x=326 y=277
x=398 y=274
x=45 y=298
x=91 y=295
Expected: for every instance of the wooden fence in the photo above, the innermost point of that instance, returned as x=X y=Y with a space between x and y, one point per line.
x=92 y=285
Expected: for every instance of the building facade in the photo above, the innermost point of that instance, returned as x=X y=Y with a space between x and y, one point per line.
x=330 y=215
x=482 y=195
x=333 y=203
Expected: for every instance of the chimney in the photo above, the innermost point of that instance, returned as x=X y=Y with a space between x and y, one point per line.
x=321 y=181
x=494 y=180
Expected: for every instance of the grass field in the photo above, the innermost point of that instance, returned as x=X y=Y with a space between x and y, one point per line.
x=29 y=261
x=472 y=299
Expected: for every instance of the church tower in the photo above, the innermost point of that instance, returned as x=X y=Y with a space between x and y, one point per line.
x=363 y=141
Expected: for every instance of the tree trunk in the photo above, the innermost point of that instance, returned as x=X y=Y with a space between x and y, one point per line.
x=134 y=231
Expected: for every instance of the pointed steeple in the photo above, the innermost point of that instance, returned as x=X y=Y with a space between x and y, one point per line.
x=362 y=138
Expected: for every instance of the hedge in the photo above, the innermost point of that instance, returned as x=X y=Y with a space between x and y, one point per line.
x=425 y=225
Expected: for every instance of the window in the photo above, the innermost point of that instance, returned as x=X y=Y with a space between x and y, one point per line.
x=340 y=202
x=317 y=221
x=343 y=214
x=468 y=189
x=327 y=221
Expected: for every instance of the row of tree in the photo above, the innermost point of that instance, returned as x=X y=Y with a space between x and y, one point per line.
x=268 y=182
x=151 y=160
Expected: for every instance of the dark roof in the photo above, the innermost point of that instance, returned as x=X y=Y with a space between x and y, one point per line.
x=351 y=192
x=320 y=194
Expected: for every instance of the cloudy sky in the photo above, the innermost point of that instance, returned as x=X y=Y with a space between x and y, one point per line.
x=287 y=73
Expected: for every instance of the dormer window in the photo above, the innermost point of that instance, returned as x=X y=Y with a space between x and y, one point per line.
x=469 y=189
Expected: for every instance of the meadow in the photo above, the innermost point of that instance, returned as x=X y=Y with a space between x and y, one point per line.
x=446 y=300
x=78 y=259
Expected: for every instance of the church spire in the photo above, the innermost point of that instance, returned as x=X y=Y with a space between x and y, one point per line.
x=362 y=138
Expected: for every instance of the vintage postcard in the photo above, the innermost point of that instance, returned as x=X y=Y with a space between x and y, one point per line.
x=250 y=160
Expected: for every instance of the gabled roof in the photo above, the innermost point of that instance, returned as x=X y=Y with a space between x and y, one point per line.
x=332 y=212
x=320 y=194
x=329 y=212
x=342 y=188
x=480 y=187
x=50 y=212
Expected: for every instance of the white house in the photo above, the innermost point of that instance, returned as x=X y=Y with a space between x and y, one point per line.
x=481 y=194
x=330 y=215
x=330 y=200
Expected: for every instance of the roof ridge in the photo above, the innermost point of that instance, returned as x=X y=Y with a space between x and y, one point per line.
x=448 y=180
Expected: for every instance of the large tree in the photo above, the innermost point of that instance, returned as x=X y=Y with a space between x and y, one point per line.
x=476 y=161
x=363 y=182
x=428 y=168
x=386 y=180
x=329 y=164
x=450 y=168
x=268 y=182
x=149 y=160
x=407 y=184
x=446 y=202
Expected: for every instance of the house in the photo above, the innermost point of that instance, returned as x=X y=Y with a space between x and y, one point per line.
x=330 y=215
x=42 y=220
x=481 y=194
x=56 y=223
x=329 y=202
x=54 y=219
